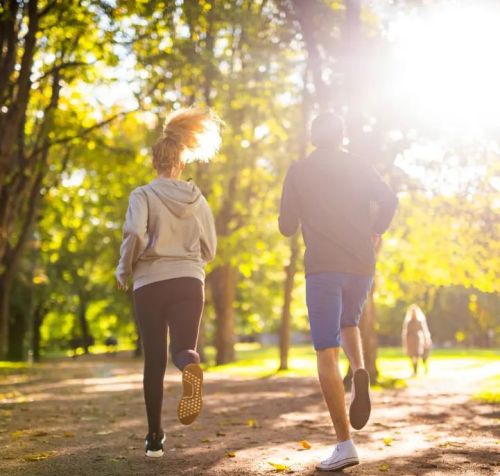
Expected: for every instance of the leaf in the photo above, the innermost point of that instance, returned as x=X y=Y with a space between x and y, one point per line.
x=205 y=440
x=230 y=454
x=451 y=443
x=388 y=441
x=279 y=467
x=40 y=433
x=38 y=456
x=18 y=433
x=384 y=467
x=252 y=423
x=118 y=458
x=305 y=444
x=69 y=434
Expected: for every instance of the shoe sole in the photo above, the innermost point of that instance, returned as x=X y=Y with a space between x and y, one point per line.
x=359 y=411
x=157 y=453
x=345 y=464
x=191 y=401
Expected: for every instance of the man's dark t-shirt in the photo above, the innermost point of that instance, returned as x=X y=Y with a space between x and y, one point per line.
x=330 y=195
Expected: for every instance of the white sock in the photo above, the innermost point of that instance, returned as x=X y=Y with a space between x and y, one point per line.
x=345 y=444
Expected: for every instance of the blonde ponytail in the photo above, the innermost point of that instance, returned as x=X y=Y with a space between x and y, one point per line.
x=188 y=135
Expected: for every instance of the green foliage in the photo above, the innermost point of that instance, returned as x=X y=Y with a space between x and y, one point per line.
x=246 y=60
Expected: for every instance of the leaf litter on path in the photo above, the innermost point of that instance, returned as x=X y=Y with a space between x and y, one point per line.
x=38 y=456
x=280 y=468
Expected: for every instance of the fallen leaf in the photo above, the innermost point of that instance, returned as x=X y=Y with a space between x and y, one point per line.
x=40 y=433
x=305 y=444
x=38 y=456
x=252 y=423
x=230 y=454
x=384 y=467
x=118 y=458
x=388 y=441
x=205 y=440
x=18 y=433
x=279 y=467
x=451 y=443
x=68 y=434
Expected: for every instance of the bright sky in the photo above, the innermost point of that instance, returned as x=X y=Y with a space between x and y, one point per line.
x=448 y=68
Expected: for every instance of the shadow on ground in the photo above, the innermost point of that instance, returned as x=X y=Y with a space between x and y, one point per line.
x=87 y=418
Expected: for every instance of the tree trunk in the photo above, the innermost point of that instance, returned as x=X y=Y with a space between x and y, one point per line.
x=38 y=315
x=16 y=337
x=223 y=283
x=290 y=271
x=5 y=288
x=82 y=319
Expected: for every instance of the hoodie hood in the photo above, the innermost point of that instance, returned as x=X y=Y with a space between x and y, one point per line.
x=178 y=196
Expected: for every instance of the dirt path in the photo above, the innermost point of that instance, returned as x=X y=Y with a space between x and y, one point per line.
x=86 y=418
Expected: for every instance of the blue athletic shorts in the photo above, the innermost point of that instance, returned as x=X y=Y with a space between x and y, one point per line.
x=334 y=300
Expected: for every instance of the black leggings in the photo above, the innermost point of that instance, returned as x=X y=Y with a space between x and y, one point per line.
x=175 y=305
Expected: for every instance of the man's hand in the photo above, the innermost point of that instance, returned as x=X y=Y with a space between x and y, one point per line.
x=121 y=287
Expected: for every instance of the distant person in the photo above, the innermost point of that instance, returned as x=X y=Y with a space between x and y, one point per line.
x=329 y=193
x=168 y=237
x=416 y=337
x=111 y=344
x=81 y=343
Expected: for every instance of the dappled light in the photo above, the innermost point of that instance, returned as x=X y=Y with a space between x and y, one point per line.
x=230 y=191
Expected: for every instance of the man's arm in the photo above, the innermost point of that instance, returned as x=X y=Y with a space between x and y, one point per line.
x=386 y=199
x=289 y=209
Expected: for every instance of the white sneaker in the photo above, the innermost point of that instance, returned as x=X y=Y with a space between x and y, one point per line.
x=343 y=456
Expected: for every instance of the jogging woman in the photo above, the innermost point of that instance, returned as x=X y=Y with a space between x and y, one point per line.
x=168 y=237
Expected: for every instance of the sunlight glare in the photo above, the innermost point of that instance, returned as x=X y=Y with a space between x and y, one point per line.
x=448 y=68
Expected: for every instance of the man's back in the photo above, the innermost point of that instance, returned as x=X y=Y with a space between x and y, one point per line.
x=330 y=194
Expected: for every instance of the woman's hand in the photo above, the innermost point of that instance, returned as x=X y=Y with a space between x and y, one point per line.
x=121 y=287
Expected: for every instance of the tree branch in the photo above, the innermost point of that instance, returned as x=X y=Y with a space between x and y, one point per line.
x=88 y=130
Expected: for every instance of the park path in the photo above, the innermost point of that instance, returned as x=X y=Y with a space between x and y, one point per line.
x=86 y=417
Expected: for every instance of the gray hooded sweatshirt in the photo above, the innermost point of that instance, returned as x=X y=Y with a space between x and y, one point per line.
x=169 y=232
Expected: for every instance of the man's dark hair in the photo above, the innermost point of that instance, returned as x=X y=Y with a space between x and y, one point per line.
x=327 y=129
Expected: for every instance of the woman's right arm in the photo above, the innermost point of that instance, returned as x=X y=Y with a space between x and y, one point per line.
x=135 y=236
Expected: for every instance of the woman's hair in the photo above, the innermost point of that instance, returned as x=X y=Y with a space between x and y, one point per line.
x=188 y=135
x=413 y=308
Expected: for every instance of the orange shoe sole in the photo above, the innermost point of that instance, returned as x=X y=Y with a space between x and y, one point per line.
x=191 y=401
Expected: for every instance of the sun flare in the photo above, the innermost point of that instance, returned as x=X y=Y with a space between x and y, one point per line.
x=448 y=66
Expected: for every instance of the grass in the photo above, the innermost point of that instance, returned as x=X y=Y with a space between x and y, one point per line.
x=489 y=391
x=254 y=361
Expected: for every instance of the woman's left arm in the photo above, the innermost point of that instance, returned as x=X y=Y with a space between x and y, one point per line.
x=135 y=236
x=208 y=236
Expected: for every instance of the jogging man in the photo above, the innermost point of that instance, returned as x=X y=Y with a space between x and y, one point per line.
x=330 y=193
